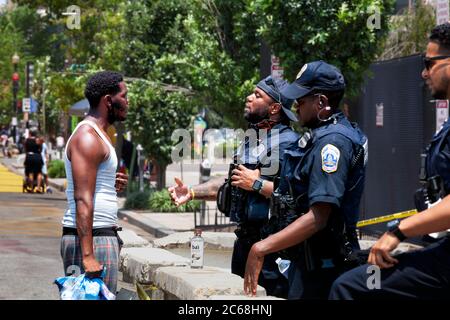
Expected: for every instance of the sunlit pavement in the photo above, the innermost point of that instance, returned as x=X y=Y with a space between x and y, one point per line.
x=30 y=232
x=9 y=182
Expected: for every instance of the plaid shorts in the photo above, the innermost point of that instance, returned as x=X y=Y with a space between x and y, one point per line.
x=106 y=251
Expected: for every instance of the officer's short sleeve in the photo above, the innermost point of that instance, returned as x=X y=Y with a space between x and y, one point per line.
x=328 y=169
x=443 y=163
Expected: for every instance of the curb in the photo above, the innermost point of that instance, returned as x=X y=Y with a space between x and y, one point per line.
x=146 y=224
x=58 y=187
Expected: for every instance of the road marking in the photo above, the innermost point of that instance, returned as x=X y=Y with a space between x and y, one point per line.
x=10 y=182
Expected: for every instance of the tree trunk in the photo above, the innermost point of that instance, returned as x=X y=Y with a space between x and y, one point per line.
x=161 y=176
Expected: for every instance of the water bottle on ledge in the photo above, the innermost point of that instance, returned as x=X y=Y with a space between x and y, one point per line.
x=197 y=245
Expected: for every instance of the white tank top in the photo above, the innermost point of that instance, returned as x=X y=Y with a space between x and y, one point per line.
x=105 y=196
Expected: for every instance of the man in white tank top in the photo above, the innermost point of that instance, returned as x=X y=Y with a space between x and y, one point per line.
x=90 y=243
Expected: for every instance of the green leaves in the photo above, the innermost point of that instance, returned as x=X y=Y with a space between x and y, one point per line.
x=335 y=31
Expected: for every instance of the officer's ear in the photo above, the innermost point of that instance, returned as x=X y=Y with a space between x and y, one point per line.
x=323 y=102
x=275 y=108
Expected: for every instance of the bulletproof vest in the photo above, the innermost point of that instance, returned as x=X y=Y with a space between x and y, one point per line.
x=434 y=165
x=248 y=205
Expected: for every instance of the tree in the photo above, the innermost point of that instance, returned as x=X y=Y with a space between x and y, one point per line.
x=182 y=44
x=13 y=40
x=409 y=32
x=332 y=30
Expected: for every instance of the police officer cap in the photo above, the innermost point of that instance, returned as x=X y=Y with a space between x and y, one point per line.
x=273 y=86
x=317 y=75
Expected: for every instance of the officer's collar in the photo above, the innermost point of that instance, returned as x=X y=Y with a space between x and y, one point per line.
x=265 y=124
x=308 y=135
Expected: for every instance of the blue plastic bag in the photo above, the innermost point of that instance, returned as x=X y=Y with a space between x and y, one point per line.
x=83 y=288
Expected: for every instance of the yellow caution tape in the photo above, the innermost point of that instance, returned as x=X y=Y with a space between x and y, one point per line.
x=398 y=215
x=141 y=292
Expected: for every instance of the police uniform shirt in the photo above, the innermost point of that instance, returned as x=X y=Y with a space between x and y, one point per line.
x=326 y=173
x=438 y=156
x=326 y=167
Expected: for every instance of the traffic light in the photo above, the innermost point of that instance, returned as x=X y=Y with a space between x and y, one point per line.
x=15 y=79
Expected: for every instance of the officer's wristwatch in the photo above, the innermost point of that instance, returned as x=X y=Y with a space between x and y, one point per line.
x=257 y=185
x=394 y=229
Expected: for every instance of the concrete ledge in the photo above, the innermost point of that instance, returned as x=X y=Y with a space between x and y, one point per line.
x=186 y=283
x=145 y=223
x=131 y=239
x=213 y=240
x=139 y=264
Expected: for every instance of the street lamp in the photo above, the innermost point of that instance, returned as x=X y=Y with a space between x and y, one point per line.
x=15 y=79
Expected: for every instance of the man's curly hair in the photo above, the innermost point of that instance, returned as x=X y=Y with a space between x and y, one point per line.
x=100 y=84
x=441 y=35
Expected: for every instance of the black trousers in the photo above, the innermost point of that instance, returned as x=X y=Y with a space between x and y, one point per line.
x=310 y=285
x=270 y=277
x=421 y=274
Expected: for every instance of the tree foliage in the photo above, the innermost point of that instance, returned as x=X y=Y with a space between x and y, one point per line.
x=332 y=30
x=181 y=56
x=409 y=31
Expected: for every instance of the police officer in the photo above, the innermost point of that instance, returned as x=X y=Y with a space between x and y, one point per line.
x=320 y=185
x=422 y=274
x=257 y=162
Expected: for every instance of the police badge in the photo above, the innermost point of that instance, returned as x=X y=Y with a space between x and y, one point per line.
x=330 y=158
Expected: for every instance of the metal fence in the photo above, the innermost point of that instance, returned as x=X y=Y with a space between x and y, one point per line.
x=395 y=112
x=212 y=219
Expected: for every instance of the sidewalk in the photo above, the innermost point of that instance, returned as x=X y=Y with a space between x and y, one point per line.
x=162 y=224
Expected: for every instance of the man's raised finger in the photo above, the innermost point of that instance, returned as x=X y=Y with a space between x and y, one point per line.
x=178 y=182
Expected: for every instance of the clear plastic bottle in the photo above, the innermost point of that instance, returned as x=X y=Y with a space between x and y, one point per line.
x=283 y=266
x=197 y=245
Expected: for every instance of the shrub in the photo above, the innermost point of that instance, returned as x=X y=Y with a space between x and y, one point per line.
x=160 y=202
x=56 y=169
x=138 y=200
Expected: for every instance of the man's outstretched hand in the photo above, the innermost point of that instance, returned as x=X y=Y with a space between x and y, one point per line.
x=179 y=193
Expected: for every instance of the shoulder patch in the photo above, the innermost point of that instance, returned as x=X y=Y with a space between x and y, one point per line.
x=330 y=158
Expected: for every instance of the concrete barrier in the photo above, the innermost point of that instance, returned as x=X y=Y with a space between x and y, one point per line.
x=132 y=240
x=139 y=264
x=186 y=283
x=170 y=277
x=213 y=240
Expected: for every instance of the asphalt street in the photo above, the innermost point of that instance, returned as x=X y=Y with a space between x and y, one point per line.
x=30 y=232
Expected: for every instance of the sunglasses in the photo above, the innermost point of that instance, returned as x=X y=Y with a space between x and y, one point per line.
x=428 y=61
